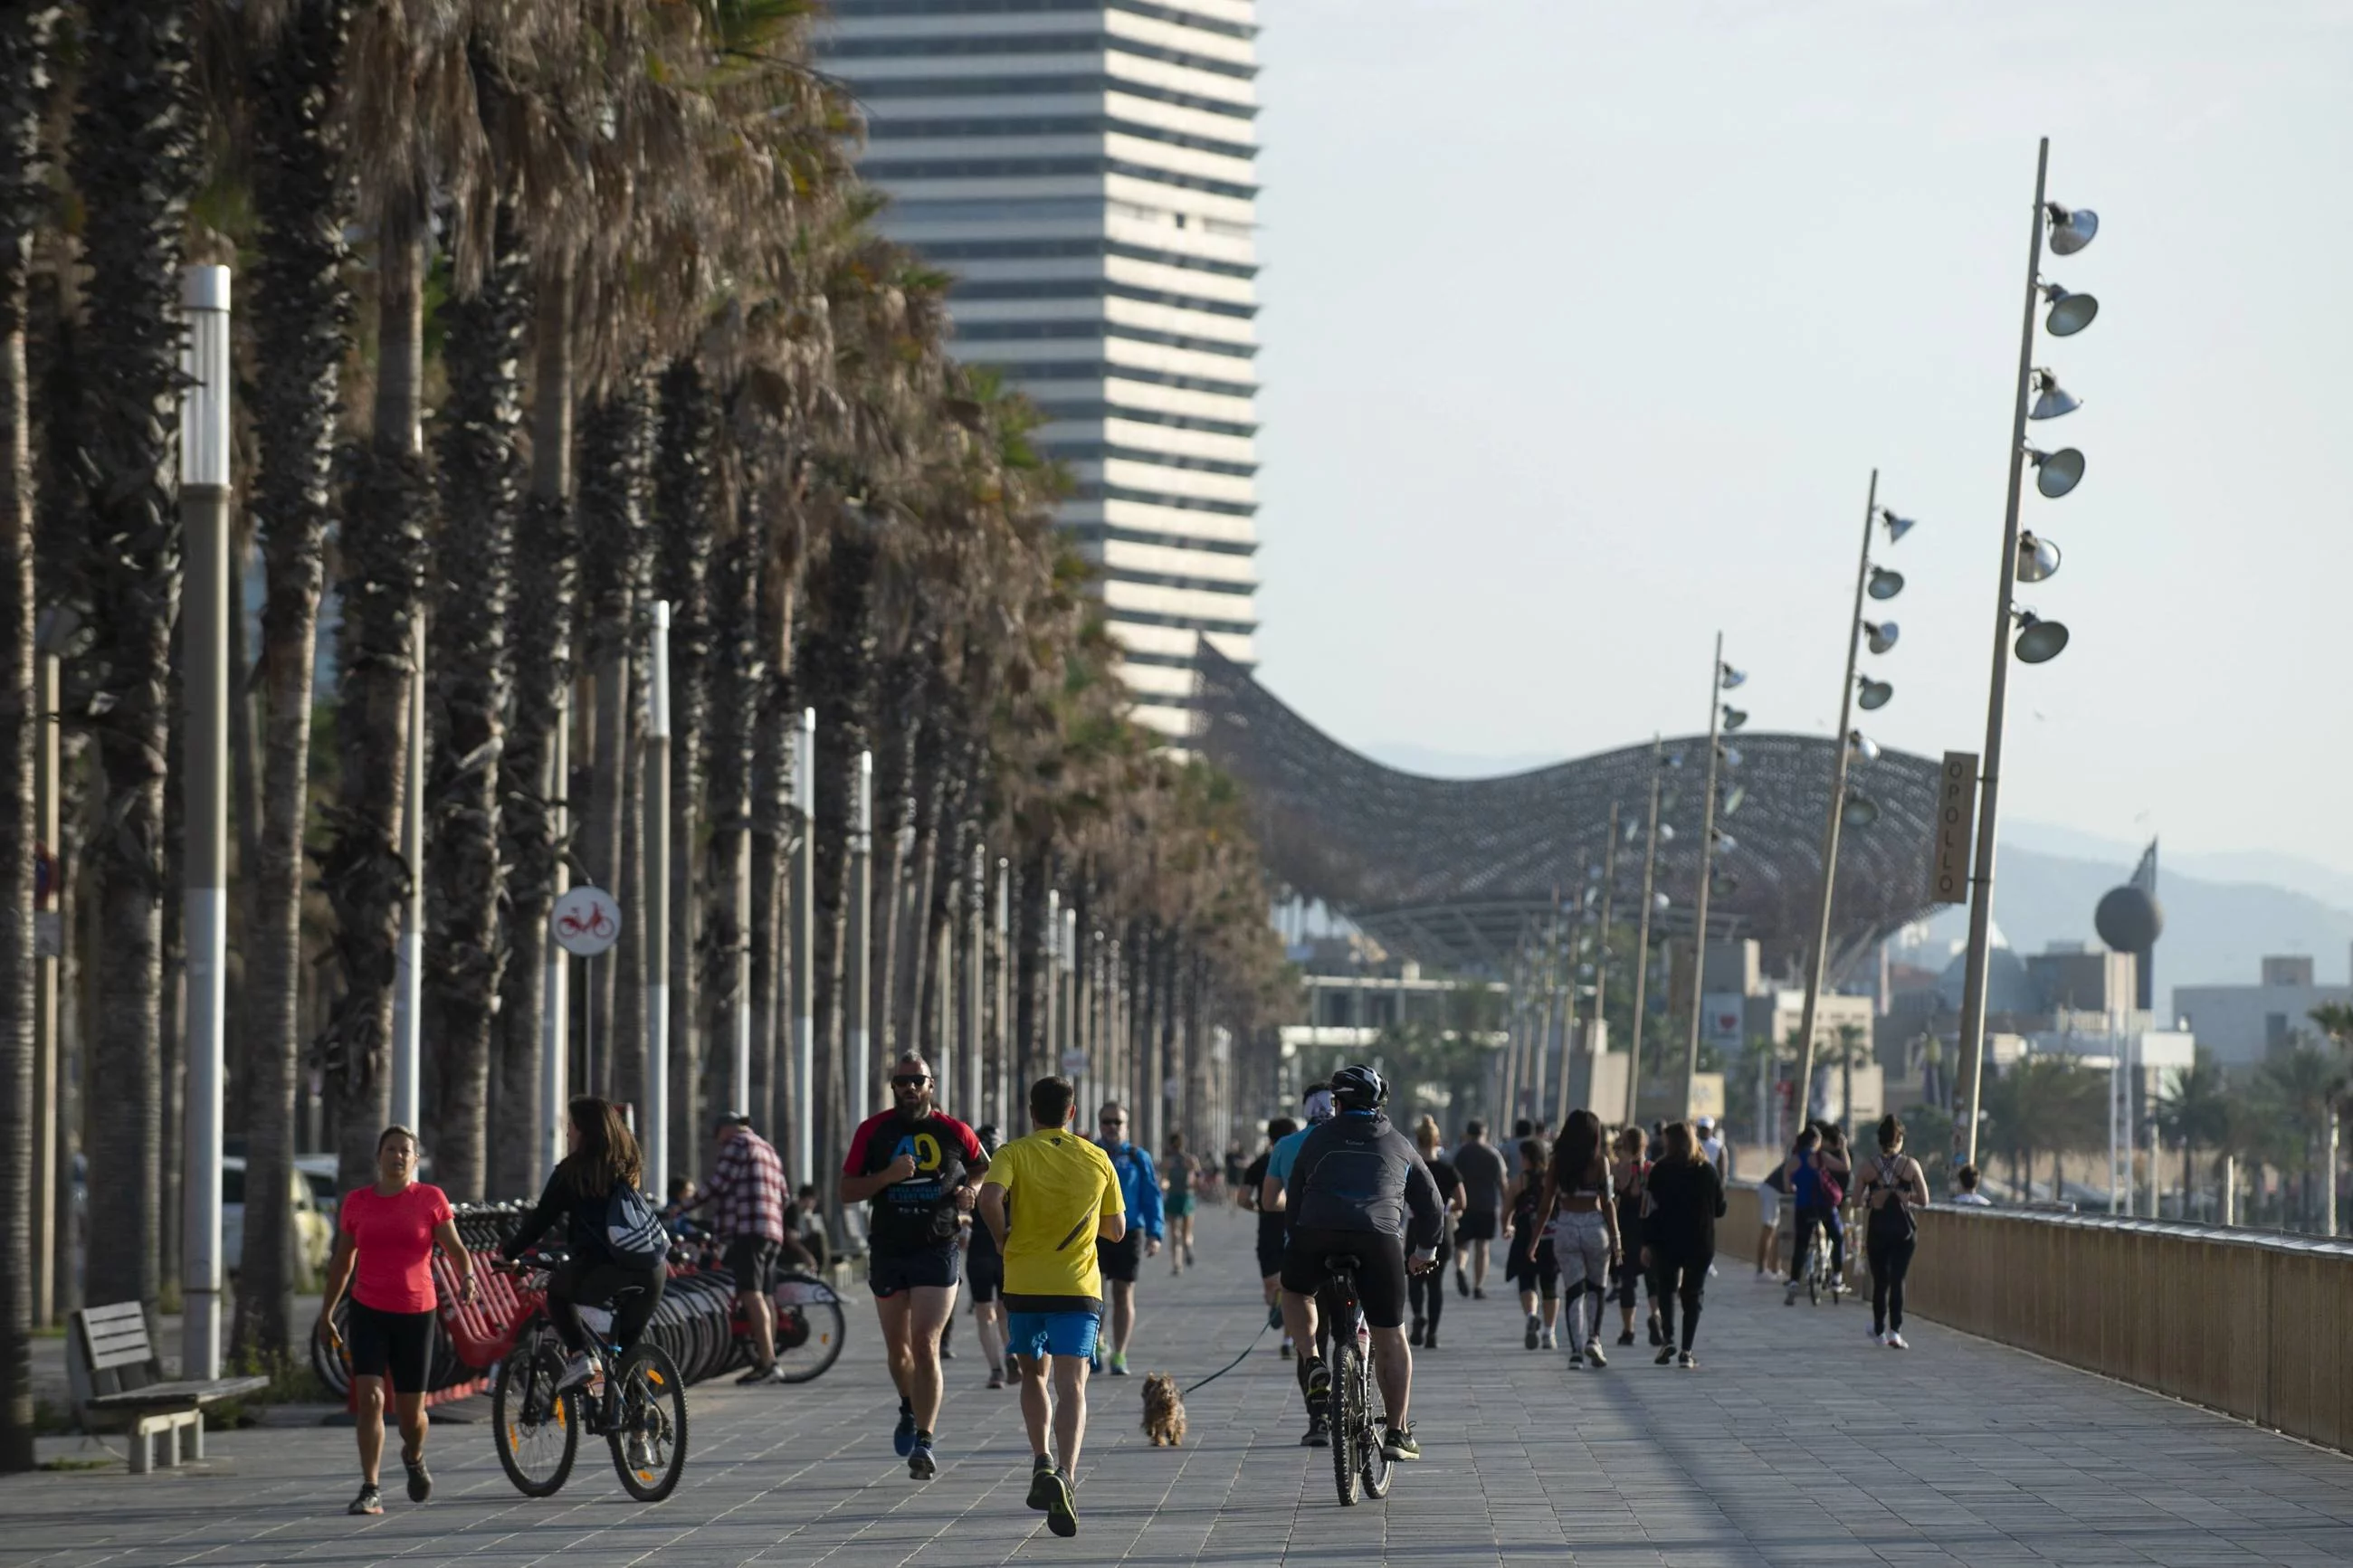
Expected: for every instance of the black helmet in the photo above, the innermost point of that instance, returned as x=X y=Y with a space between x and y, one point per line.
x=1358 y=1088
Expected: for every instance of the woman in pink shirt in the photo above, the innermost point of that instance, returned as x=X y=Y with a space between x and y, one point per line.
x=385 y=1237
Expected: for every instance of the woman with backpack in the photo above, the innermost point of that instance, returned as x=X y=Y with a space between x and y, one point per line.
x=1631 y=1176
x=1686 y=1192
x=1892 y=1188
x=620 y=1253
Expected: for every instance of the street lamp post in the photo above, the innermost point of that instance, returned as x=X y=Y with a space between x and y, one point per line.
x=2037 y=640
x=1716 y=685
x=1643 y=950
x=658 y=912
x=1596 y=1029
x=804 y=953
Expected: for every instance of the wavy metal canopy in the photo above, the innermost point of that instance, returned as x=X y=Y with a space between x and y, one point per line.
x=1450 y=872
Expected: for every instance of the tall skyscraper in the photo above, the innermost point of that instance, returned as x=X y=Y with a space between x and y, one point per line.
x=1086 y=167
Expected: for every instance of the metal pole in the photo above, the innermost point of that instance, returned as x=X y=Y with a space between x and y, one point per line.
x=657 y=913
x=1706 y=870
x=1001 y=1034
x=555 y=976
x=1817 y=973
x=1048 y=1037
x=203 y=650
x=1560 y=1088
x=804 y=953
x=1540 y=1042
x=408 y=956
x=1597 y=1033
x=1973 y=991
x=976 y=969
x=857 y=977
x=49 y=1134
x=1642 y=950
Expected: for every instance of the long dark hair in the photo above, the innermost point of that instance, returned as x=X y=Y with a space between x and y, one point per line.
x=607 y=1151
x=1578 y=1151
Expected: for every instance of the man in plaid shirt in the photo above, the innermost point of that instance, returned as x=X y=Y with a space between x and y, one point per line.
x=747 y=1184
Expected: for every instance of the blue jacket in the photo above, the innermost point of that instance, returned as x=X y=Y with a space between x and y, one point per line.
x=1139 y=1186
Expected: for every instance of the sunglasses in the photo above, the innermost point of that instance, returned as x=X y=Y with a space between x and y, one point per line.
x=1115 y=1121
x=917 y=1082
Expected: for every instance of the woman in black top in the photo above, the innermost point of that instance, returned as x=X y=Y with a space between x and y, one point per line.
x=1679 y=1233
x=1271 y=1227
x=603 y=1152
x=1530 y=1264
x=1427 y=1292
x=1631 y=1177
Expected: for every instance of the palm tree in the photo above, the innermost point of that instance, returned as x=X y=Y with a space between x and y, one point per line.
x=133 y=161
x=684 y=502
x=25 y=40
x=2194 y=1112
x=2296 y=1091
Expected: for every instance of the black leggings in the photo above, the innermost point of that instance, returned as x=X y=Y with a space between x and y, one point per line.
x=1426 y=1293
x=1808 y=1219
x=1891 y=1259
x=1680 y=1279
x=1630 y=1272
x=632 y=1292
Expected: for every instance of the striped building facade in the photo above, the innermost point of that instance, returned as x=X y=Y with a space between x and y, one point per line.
x=1087 y=168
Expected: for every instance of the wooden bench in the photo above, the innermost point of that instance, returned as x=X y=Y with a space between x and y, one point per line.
x=114 y=1371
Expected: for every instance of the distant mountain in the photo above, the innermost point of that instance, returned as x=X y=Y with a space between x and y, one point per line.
x=2326 y=884
x=2216 y=931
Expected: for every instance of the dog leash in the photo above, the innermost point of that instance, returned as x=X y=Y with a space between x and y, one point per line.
x=1263 y=1327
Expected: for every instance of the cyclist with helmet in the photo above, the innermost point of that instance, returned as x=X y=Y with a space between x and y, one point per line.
x=1358 y=1190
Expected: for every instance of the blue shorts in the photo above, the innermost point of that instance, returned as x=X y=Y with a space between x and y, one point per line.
x=1037 y=1334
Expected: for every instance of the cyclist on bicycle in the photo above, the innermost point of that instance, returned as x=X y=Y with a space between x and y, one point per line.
x=602 y=1152
x=1358 y=1190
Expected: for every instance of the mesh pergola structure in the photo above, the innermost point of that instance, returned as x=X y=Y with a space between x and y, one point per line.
x=1453 y=872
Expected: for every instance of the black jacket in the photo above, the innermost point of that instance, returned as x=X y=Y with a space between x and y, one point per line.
x=581 y=1215
x=1356 y=1172
x=1686 y=1200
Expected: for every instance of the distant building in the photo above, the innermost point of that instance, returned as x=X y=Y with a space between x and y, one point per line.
x=1088 y=171
x=2246 y=1024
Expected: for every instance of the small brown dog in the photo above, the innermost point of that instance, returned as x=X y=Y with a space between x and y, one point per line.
x=1163 y=1411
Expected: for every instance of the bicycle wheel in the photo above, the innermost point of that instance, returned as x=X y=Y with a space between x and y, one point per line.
x=1348 y=1417
x=538 y=1429
x=1372 y=1465
x=649 y=1436
x=810 y=1327
x=334 y=1363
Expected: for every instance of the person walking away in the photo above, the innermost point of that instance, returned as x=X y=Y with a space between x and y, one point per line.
x=1714 y=1150
x=1893 y=1187
x=1686 y=1200
x=1182 y=1173
x=1426 y=1293
x=1483 y=1179
x=1579 y=1212
x=1528 y=1259
x=984 y=1274
x=1271 y=1226
x=807 y=1223
x=1815 y=1198
x=1772 y=1216
x=1122 y=1260
x=918 y=1168
x=1966 y=1178
x=1235 y=1161
x=385 y=1237
x=746 y=1194
x=1631 y=1176
x=1838 y=1164
x=593 y=1192
x=1358 y=1191
x=1041 y=1193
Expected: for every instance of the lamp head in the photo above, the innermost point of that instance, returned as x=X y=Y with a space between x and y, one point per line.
x=1729 y=755
x=1731 y=801
x=1858 y=810
x=1872 y=694
x=1666 y=833
x=2071 y=228
x=2070 y=313
x=2039 y=641
x=1897 y=527
x=2056 y=473
x=1886 y=584
x=1882 y=633
x=1863 y=746
x=1729 y=678
x=1725 y=842
x=1734 y=718
x=1661 y=901
x=2038 y=559
x=2051 y=399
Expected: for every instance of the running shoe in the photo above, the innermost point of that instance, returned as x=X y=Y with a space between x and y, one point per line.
x=757 y=1375
x=903 y=1437
x=1397 y=1443
x=947 y=1351
x=1530 y=1339
x=1575 y=1362
x=1895 y=1342
x=1319 y=1381
x=1789 y=1296
x=1062 y=1507
x=1318 y=1435
x=1413 y=1334
x=1478 y=1292
x=1119 y=1363
x=996 y=1377
x=1688 y=1361
x=577 y=1370
x=1287 y=1351
x=1546 y=1342
x=420 y=1480
x=640 y=1451
x=1430 y=1339
x=370 y=1501
x=1461 y=1283
x=1625 y=1336
x=1880 y=1334
x=921 y=1464
x=1658 y=1334
x=1593 y=1353
x=1041 y=1483
x=1666 y=1357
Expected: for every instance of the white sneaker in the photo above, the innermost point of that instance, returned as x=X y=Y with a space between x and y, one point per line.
x=1895 y=1342
x=1880 y=1336
x=1546 y=1342
x=1789 y=1296
x=577 y=1370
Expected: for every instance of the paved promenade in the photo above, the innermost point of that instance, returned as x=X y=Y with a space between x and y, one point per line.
x=1798 y=1441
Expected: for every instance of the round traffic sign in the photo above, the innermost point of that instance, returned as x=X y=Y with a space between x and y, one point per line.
x=1075 y=1062
x=585 y=922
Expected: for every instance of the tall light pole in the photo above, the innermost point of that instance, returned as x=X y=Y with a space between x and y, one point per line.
x=1597 y=1031
x=408 y=952
x=1642 y=948
x=657 y=892
x=805 y=953
x=555 y=975
x=1001 y=1030
x=1882 y=585
x=204 y=632
x=858 y=984
x=2037 y=640
x=1722 y=677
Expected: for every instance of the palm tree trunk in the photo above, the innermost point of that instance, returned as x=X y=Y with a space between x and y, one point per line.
x=134 y=162
x=894 y=763
x=383 y=556
x=24 y=36
x=471 y=675
x=611 y=548
x=546 y=582
x=300 y=331
x=738 y=681
x=1033 y=969
x=684 y=523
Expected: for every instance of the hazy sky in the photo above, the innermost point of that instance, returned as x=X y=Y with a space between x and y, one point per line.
x=1585 y=324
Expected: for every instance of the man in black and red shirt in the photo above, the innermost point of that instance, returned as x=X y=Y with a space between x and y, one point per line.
x=919 y=1170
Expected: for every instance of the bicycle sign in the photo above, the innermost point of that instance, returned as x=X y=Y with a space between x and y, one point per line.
x=585 y=922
